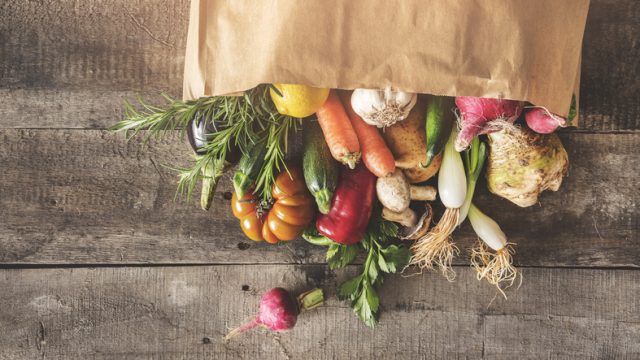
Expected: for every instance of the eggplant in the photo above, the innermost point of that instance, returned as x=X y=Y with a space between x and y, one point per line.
x=200 y=132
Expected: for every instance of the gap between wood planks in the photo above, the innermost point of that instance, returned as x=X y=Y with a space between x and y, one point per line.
x=561 y=131
x=353 y=264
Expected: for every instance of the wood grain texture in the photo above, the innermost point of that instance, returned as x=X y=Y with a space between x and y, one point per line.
x=90 y=197
x=67 y=64
x=169 y=313
x=610 y=81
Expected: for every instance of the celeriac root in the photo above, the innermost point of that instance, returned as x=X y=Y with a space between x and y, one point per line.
x=496 y=267
x=436 y=248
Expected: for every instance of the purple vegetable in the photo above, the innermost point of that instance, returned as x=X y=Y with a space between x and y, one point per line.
x=543 y=121
x=479 y=114
x=200 y=132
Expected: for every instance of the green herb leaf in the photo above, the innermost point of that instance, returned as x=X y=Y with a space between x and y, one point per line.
x=380 y=259
x=372 y=298
x=366 y=305
x=340 y=255
x=350 y=288
x=395 y=258
x=382 y=264
x=372 y=271
x=278 y=131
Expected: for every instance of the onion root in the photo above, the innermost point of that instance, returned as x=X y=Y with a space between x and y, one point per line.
x=495 y=266
x=435 y=248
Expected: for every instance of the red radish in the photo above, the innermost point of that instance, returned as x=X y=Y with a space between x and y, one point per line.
x=279 y=310
x=478 y=115
x=543 y=121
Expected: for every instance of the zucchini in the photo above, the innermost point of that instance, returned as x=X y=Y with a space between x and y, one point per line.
x=320 y=170
x=438 y=126
x=211 y=173
x=249 y=168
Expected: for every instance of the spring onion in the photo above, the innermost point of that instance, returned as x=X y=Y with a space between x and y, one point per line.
x=474 y=161
x=495 y=266
x=487 y=229
x=452 y=182
x=435 y=248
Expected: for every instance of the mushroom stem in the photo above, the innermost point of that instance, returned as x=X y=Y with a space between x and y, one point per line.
x=421 y=228
x=406 y=218
x=423 y=193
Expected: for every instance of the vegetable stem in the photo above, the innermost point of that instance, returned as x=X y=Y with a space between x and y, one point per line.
x=474 y=159
x=311 y=299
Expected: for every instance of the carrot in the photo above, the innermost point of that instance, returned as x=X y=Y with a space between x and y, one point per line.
x=338 y=131
x=375 y=154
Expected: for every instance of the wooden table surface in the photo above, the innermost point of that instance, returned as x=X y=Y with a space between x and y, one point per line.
x=98 y=262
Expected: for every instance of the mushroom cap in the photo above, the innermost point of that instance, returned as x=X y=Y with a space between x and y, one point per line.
x=421 y=228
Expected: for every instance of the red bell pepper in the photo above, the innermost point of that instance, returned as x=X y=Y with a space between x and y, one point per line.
x=351 y=207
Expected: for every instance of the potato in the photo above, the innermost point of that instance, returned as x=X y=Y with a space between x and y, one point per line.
x=418 y=174
x=406 y=140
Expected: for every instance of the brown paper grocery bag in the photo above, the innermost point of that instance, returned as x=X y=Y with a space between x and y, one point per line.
x=515 y=49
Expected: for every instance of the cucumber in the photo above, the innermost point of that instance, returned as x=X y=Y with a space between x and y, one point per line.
x=320 y=170
x=438 y=126
x=211 y=173
x=249 y=168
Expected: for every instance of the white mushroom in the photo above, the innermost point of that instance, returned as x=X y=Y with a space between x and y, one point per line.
x=412 y=227
x=395 y=193
x=406 y=218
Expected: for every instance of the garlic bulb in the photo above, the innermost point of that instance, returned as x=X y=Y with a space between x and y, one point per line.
x=382 y=108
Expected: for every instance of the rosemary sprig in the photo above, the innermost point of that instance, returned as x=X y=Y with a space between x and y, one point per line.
x=157 y=121
x=188 y=177
x=238 y=120
x=277 y=147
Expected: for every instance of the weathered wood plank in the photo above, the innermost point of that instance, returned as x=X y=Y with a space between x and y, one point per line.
x=90 y=197
x=66 y=64
x=183 y=312
x=610 y=81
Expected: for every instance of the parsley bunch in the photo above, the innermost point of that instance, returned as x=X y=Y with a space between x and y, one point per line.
x=382 y=257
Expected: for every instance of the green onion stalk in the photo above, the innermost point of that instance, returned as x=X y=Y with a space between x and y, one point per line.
x=491 y=256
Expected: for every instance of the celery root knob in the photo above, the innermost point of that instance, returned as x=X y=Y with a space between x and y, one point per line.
x=496 y=267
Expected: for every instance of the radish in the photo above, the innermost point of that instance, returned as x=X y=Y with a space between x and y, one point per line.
x=279 y=310
x=543 y=121
x=478 y=115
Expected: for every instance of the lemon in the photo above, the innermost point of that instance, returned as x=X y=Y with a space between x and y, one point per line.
x=298 y=100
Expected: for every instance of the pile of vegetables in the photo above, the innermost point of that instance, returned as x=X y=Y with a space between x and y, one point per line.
x=366 y=179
